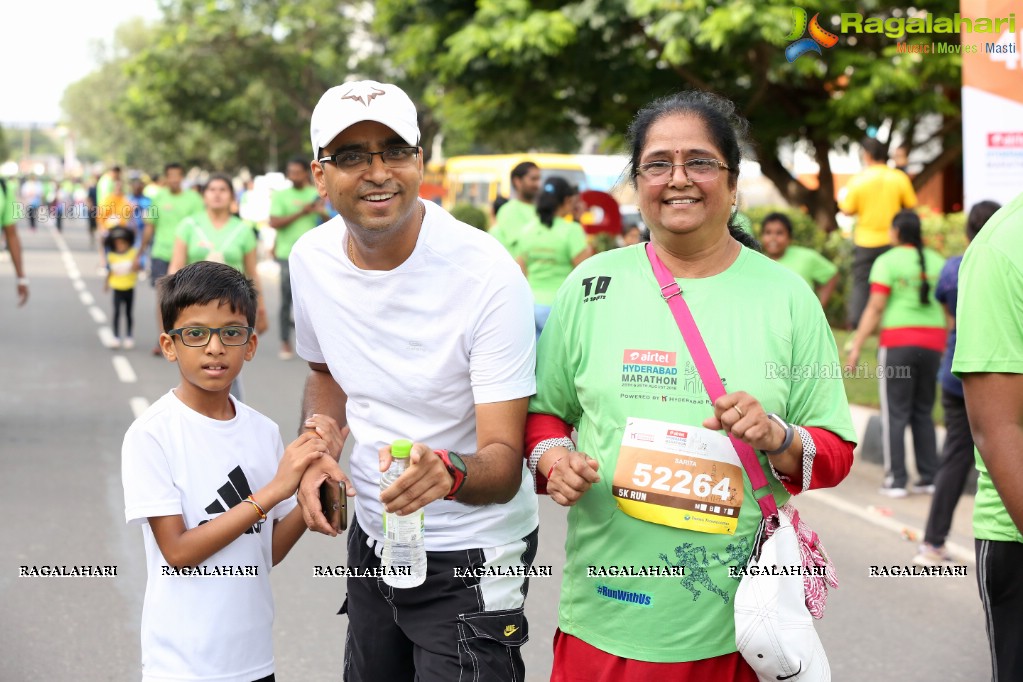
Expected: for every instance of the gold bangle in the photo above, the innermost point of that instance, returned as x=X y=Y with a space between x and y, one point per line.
x=259 y=510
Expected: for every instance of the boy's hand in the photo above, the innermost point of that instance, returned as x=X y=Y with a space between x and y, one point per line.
x=326 y=428
x=302 y=452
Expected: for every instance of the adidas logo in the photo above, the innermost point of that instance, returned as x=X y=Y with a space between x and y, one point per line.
x=233 y=492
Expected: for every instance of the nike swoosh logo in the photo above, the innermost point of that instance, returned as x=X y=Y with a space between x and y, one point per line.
x=789 y=677
x=510 y=630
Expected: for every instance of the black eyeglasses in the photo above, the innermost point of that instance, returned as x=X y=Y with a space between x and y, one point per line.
x=393 y=157
x=696 y=170
x=197 y=337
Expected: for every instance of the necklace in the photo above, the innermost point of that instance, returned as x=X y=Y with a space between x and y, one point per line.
x=351 y=249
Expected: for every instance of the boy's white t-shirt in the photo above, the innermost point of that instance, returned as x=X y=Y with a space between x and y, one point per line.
x=175 y=461
x=415 y=349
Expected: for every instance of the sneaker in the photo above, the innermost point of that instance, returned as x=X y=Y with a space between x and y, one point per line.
x=285 y=355
x=129 y=343
x=929 y=555
x=115 y=344
x=922 y=488
x=892 y=492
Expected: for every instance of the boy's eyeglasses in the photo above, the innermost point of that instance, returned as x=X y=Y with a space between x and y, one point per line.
x=197 y=337
x=696 y=170
x=393 y=157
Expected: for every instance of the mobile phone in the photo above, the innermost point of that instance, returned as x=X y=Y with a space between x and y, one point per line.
x=334 y=501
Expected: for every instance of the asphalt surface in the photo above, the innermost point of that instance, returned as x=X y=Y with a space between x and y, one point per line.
x=66 y=401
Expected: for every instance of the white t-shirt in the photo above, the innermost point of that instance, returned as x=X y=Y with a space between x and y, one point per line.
x=415 y=349
x=176 y=461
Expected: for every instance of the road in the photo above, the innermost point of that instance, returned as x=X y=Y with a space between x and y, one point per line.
x=67 y=400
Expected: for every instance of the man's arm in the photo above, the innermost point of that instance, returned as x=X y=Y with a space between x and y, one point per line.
x=322 y=395
x=994 y=405
x=493 y=472
x=281 y=221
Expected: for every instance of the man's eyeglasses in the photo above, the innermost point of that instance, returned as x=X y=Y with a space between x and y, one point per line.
x=393 y=157
x=696 y=170
x=197 y=337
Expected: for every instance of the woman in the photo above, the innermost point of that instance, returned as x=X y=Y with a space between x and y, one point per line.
x=816 y=270
x=909 y=351
x=217 y=235
x=957 y=454
x=612 y=353
x=551 y=246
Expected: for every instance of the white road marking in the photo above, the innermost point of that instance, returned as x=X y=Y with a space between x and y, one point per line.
x=78 y=284
x=98 y=316
x=138 y=406
x=123 y=368
x=958 y=552
x=86 y=298
x=106 y=336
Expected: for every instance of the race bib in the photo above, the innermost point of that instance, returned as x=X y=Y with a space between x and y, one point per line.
x=679 y=476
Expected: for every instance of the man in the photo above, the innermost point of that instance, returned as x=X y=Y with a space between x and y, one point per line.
x=7 y=224
x=141 y=216
x=989 y=359
x=170 y=206
x=293 y=212
x=875 y=195
x=519 y=211
x=106 y=183
x=416 y=326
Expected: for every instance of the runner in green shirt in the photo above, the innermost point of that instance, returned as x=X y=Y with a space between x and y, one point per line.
x=612 y=364
x=293 y=212
x=989 y=359
x=816 y=270
x=8 y=224
x=550 y=246
x=519 y=211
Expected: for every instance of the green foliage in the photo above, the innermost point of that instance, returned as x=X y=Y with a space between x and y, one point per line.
x=945 y=233
x=5 y=150
x=603 y=241
x=473 y=215
x=499 y=68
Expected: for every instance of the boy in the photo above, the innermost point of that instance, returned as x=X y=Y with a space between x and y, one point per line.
x=198 y=470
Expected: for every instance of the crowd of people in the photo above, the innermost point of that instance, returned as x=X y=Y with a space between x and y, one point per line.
x=528 y=366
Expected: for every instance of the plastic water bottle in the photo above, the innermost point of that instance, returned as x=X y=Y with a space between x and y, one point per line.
x=404 y=546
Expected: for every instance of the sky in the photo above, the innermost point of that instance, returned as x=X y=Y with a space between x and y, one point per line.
x=47 y=45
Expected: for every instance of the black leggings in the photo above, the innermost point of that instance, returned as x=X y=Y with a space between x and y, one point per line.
x=126 y=299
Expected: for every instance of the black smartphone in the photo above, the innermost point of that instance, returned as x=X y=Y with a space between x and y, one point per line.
x=334 y=502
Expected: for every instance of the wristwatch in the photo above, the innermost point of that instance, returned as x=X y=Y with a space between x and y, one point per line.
x=456 y=467
x=790 y=433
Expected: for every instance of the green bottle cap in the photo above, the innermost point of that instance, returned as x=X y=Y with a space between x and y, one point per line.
x=401 y=449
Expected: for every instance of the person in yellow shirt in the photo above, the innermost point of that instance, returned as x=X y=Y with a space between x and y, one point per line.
x=874 y=196
x=114 y=210
x=122 y=276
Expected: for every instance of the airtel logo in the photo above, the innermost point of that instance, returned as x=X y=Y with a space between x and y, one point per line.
x=650 y=357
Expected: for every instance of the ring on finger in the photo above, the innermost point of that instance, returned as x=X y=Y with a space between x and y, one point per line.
x=736 y=408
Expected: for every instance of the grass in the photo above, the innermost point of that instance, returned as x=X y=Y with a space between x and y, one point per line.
x=863 y=390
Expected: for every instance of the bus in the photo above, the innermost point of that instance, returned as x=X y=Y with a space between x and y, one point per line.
x=478 y=180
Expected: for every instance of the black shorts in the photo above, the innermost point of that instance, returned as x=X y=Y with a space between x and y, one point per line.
x=449 y=628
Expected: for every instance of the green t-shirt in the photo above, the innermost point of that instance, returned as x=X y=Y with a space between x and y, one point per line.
x=612 y=350
x=989 y=323
x=814 y=268
x=549 y=252
x=7 y=206
x=899 y=270
x=512 y=218
x=104 y=186
x=231 y=242
x=169 y=210
x=287 y=202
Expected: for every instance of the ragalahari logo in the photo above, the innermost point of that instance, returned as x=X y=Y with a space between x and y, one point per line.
x=818 y=36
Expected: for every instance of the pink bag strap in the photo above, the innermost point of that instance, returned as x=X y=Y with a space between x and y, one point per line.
x=672 y=294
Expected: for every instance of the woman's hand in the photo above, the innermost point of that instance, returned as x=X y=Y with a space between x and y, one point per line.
x=571 y=474
x=744 y=417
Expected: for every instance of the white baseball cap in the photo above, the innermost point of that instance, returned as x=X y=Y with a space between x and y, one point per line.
x=349 y=103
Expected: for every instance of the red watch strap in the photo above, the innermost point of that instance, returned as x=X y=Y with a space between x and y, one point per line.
x=458 y=476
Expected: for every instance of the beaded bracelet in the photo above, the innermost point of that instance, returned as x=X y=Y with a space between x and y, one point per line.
x=259 y=510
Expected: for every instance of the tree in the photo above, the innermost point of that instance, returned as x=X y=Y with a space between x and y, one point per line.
x=221 y=83
x=500 y=71
x=5 y=150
